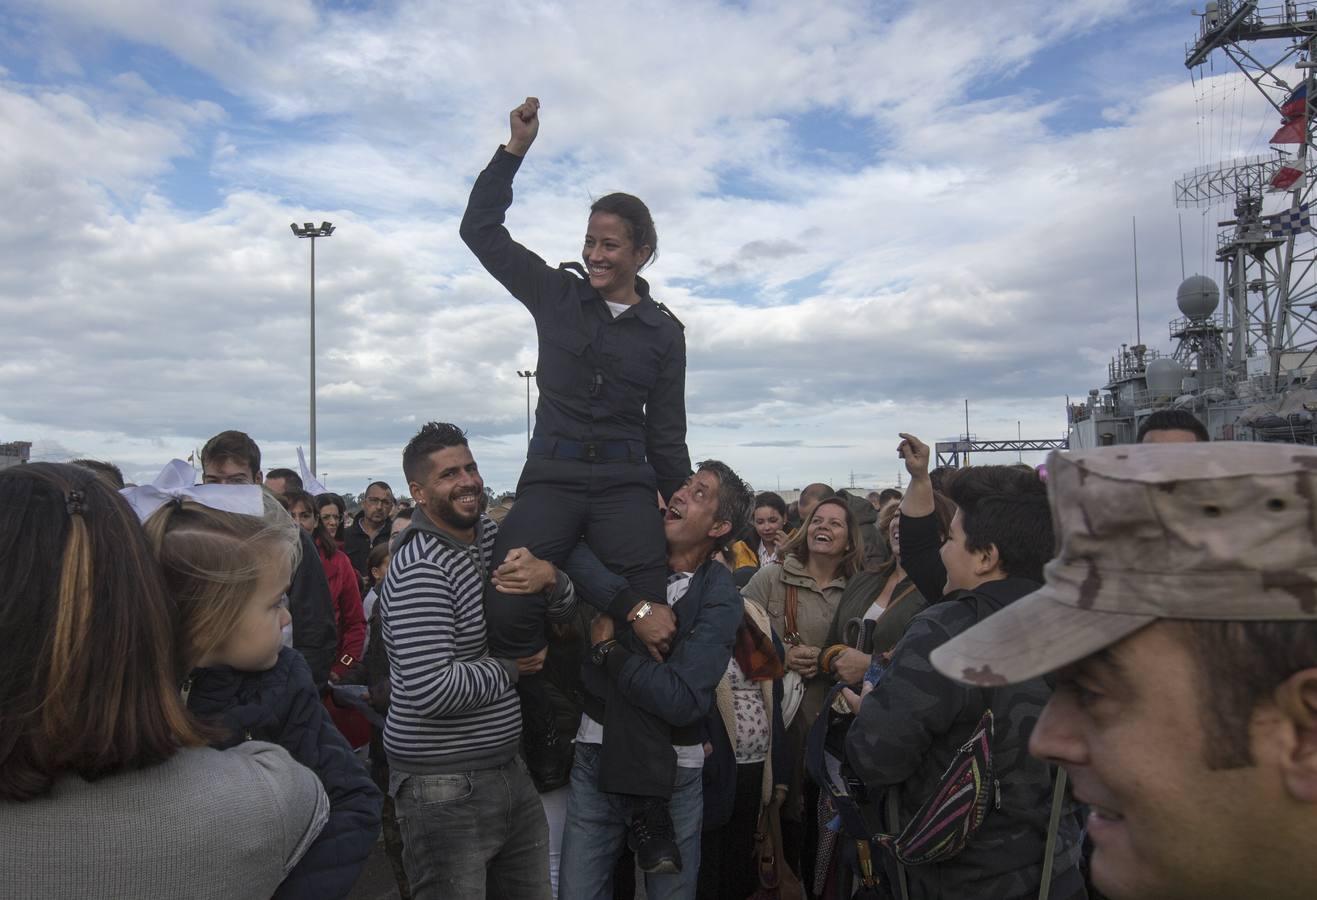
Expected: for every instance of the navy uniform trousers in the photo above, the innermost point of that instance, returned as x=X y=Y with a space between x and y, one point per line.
x=613 y=506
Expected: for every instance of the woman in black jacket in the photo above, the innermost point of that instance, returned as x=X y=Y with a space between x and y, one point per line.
x=610 y=432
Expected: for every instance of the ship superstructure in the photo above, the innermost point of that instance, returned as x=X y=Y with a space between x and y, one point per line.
x=1243 y=359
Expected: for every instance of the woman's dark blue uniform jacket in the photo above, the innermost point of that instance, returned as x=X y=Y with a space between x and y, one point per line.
x=601 y=379
x=282 y=706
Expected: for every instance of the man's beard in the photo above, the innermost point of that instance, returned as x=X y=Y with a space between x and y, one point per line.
x=447 y=511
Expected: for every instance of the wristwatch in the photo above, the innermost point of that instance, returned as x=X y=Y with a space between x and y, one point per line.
x=645 y=609
x=599 y=652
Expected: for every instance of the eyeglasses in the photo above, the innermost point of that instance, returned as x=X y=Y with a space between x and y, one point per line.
x=379 y=501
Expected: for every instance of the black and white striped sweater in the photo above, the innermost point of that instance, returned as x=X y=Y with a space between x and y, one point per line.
x=452 y=706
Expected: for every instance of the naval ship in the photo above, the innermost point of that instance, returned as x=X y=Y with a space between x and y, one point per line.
x=1243 y=351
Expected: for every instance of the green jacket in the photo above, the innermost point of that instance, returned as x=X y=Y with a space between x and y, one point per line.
x=861 y=590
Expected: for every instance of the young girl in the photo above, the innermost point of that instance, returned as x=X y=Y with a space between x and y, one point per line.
x=227 y=572
x=377 y=566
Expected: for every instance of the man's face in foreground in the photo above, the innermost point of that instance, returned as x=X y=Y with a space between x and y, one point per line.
x=1127 y=725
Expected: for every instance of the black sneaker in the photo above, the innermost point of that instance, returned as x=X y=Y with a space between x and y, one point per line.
x=653 y=839
x=548 y=756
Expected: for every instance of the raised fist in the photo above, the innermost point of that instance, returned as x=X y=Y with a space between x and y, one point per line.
x=525 y=122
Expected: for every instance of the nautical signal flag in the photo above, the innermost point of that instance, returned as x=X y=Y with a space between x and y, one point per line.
x=1294 y=120
x=1288 y=175
x=1291 y=221
x=1296 y=102
x=1293 y=131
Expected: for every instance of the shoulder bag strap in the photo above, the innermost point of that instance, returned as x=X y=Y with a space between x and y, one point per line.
x=894 y=826
x=793 y=605
x=1053 y=825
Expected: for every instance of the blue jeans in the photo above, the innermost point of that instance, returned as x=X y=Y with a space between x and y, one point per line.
x=597 y=826
x=477 y=832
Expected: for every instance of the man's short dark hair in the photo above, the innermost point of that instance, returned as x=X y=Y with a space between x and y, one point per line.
x=405 y=514
x=941 y=477
x=1173 y=420
x=379 y=484
x=233 y=446
x=108 y=472
x=432 y=436
x=1242 y=664
x=889 y=494
x=292 y=481
x=1001 y=506
x=735 y=500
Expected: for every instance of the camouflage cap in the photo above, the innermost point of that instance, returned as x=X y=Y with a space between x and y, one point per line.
x=1155 y=531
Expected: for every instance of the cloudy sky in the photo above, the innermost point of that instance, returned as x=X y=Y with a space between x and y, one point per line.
x=868 y=212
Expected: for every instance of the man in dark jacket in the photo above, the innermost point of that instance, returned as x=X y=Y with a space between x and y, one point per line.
x=911 y=725
x=371 y=527
x=231 y=457
x=705 y=608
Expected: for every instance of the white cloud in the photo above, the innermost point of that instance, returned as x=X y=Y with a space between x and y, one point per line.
x=952 y=248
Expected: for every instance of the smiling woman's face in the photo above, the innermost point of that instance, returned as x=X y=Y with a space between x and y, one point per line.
x=827 y=532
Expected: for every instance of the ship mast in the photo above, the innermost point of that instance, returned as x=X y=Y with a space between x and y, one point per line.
x=1270 y=270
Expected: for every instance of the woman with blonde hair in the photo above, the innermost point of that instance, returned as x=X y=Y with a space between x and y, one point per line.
x=227 y=570
x=106 y=786
x=878 y=603
x=801 y=595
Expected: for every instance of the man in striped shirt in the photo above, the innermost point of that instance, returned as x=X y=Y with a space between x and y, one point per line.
x=471 y=819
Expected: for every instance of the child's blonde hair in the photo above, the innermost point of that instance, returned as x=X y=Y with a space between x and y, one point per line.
x=212 y=562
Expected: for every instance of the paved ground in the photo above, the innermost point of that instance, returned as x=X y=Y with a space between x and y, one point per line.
x=376 y=882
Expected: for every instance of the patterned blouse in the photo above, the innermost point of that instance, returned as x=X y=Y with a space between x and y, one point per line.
x=752 y=726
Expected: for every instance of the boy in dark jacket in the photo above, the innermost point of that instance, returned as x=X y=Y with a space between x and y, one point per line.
x=911 y=725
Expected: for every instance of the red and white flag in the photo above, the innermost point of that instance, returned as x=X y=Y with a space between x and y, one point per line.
x=1288 y=175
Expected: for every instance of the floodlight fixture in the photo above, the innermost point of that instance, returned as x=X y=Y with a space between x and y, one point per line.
x=309 y=230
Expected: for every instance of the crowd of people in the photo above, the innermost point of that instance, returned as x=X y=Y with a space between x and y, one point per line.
x=1093 y=679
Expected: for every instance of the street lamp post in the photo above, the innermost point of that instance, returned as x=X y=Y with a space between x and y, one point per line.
x=309 y=230
x=528 y=375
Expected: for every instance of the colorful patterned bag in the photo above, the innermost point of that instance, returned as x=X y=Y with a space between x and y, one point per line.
x=943 y=825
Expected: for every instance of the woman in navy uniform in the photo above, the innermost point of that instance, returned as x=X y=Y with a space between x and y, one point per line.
x=610 y=425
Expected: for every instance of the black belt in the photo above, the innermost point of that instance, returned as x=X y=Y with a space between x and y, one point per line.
x=593 y=451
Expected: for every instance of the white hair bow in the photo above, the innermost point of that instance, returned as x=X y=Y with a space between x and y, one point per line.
x=177 y=481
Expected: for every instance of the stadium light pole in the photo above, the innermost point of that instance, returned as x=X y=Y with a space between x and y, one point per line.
x=308 y=230
x=528 y=375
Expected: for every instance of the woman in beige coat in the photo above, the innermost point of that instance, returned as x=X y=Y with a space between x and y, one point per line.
x=801 y=596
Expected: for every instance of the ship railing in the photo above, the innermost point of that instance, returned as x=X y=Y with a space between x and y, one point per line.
x=1185 y=324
